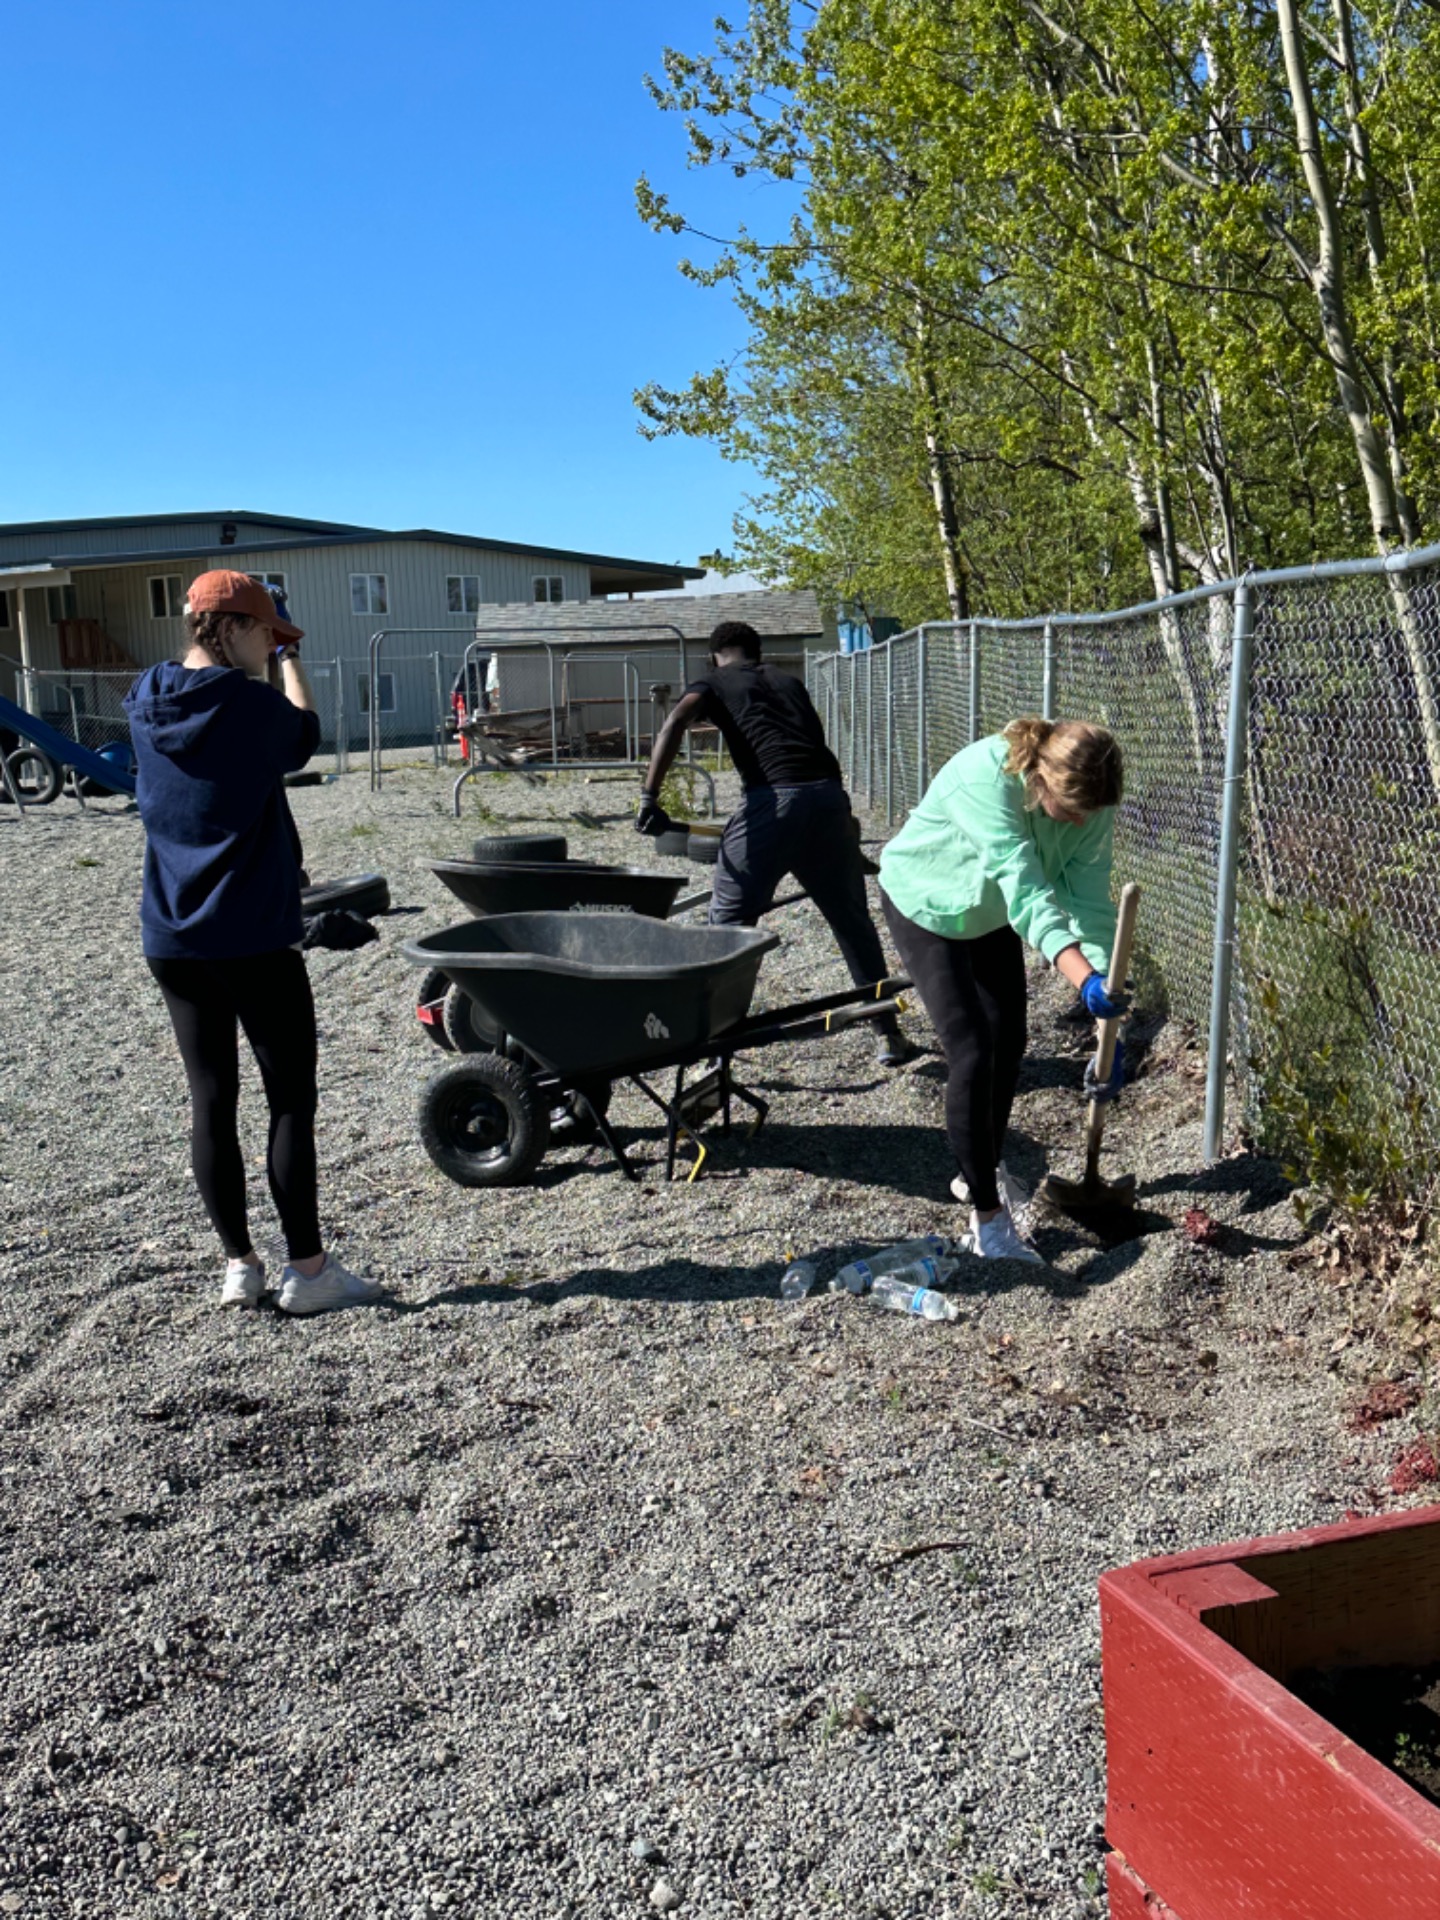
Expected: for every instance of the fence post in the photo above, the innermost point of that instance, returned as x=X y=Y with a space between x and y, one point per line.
x=854 y=669
x=441 y=756
x=974 y=681
x=1223 y=966
x=342 y=731
x=889 y=733
x=922 y=751
x=870 y=726
x=377 y=771
x=1047 y=683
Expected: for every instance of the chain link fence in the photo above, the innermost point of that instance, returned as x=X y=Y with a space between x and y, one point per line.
x=1281 y=813
x=87 y=706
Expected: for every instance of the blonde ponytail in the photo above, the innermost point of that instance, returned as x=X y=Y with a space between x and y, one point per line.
x=1080 y=766
x=1027 y=737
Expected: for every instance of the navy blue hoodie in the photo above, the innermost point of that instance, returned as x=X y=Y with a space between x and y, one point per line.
x=222 y=860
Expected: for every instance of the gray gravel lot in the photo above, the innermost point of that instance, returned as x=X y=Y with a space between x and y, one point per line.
x=583 y=1570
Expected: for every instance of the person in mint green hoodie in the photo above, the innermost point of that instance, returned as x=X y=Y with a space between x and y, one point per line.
x=1012 y=843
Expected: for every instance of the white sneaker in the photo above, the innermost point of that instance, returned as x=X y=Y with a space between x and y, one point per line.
x=1012 y=1195
x=244 y=1284
x=998 y=1239
x=333 y=1286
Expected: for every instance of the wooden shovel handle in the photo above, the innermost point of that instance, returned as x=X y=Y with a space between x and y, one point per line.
x=1109 y=1030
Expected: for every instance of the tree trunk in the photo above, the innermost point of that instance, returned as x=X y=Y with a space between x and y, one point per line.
x=947 y=526
x=1358 y=141
x=1327 y=279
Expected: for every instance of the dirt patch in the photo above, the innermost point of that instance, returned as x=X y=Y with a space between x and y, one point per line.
x=1392 y=1712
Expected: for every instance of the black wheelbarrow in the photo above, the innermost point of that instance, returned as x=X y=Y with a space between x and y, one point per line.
x=448 y=1016
x=569 y=1003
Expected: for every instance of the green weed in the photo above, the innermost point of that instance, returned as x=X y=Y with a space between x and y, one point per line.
x=86 y=861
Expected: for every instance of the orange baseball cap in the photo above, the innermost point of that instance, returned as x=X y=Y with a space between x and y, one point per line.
x=225 y=592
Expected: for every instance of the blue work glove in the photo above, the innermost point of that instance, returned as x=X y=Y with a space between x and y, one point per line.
x=1103 y=1090
x=650 y=817
x=1104 y=1006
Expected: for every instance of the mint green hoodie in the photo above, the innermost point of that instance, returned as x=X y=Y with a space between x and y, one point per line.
x=972 y=856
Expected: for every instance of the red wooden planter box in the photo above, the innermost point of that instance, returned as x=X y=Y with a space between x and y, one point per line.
x=1228 y=1798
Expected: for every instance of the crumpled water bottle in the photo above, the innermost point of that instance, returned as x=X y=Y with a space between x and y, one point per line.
x=799 y=1279
x=906 y=1292
x=861 y=1275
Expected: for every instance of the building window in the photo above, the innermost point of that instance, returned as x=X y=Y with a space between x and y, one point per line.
x=167 y=598
x=462 y=592
x=549 y=586
x=369 y=593
x=59 y=604
x=385 y=691
x=4 y=607
x=272 y=583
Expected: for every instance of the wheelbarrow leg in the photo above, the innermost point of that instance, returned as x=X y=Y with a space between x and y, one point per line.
x=607 y=1134
x=760 y=1108
x=672 y=1127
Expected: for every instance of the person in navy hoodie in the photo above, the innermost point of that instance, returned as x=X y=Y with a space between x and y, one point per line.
x=220 y=917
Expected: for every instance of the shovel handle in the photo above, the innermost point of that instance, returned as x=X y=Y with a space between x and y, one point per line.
x=1108 y=1031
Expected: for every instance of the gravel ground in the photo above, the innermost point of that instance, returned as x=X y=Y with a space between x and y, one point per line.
x=584 y=1576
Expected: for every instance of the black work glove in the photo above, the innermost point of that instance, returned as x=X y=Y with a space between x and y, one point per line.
x=339 y=930
x=650 y=817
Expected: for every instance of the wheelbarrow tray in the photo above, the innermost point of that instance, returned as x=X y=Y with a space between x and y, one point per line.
x=576 y=886
x=594 y=995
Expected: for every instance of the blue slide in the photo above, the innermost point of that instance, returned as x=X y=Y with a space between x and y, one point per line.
x=94 y=766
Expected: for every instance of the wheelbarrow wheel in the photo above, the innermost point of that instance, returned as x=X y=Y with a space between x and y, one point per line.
x=430 y=994
x=462 y=1032
x=482 y=1123
x=570 y=1125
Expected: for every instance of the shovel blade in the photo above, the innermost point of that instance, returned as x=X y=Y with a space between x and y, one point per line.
x=1090 y=1195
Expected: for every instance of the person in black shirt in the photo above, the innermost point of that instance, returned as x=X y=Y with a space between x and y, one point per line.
x=795 y=815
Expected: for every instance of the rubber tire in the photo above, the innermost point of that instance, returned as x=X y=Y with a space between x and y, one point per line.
x=49 y=777
x=434 y=985
x=704 y=849
x=674 y=843
x=367 y=894
x=308 y=778
x=481 y=1123
x=568 y=1127
x=539 y=849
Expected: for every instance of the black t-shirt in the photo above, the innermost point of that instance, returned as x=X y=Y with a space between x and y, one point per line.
x=768 y=722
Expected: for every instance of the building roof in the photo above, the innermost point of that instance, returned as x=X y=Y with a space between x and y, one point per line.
x=776 y=615
x=609 y=574
x=177 y=519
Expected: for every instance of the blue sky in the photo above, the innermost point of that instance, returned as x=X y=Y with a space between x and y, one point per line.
x=368 y=263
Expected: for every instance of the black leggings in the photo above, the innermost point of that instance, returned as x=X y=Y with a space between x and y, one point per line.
x=974 y=993
x=269 y=996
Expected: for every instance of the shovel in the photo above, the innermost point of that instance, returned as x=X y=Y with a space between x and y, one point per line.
x=1092 y=1194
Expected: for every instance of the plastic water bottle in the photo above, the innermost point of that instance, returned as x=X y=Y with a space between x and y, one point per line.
x=906 y=1292
x=799 y=1279
x=861 y=1275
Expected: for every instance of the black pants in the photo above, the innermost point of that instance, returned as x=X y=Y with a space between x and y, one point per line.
x=806 y=831
x=269 y=996
x=974 y=993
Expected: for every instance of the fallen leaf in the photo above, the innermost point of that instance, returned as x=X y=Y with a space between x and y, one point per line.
x=1200 y=1228
x=1415 y=1466
x=1383 y=1400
